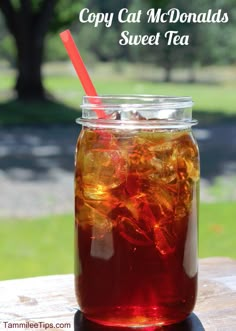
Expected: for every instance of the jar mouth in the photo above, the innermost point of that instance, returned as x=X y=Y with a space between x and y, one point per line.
x=137 y=110
x=141 y=101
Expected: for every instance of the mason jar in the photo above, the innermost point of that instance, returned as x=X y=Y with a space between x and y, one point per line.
x=136 y=210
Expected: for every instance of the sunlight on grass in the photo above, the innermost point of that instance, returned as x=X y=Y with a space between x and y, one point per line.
x=206 y=97
x=65 y=86
x=213 y=98
x=217 y=229
x=36 y=247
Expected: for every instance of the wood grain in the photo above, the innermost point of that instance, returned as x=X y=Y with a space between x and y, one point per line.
x=51 y=299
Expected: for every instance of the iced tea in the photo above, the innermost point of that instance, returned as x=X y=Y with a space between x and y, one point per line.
x=136 y=194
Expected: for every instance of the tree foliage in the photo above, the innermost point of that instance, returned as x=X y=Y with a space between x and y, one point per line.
x=208 y=43
x=29 y=21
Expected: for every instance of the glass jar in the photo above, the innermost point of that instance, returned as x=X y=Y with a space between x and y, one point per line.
x=136 y=210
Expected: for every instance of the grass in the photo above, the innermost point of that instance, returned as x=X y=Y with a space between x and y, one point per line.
x=216 y=229
x=210 y=98
x=36 y=113
x=45 y=245
x=41 y=246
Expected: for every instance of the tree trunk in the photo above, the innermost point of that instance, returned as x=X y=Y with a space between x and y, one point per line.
x=192 y=73
x=29 y=28
x=167 y=63
x=29 y=55
x=168 y=70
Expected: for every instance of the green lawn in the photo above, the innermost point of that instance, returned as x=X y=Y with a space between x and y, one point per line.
x=213 y=98
x=217 y=229
x=45 y=246
x=36 y=247
x=65 y=87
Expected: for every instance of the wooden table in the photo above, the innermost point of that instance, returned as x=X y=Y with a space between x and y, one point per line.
x=50 y=300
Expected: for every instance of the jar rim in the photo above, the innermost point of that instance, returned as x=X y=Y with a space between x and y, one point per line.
x=137 y=110
x=132 y=124
x=138 y=101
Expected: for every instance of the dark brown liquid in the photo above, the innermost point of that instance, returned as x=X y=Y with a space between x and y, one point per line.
x=136 y=226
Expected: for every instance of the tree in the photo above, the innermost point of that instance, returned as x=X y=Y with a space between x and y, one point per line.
x=103 y=41
x=7 y=50
x=208 y=43
x=29 y=21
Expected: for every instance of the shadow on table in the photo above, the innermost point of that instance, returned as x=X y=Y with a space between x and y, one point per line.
x=192 y=323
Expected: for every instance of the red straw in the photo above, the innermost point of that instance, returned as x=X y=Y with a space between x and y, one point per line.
x=80 y=68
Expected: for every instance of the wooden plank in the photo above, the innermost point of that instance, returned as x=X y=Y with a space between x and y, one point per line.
x=51 y=299
x=47 y=299
x=216 y=303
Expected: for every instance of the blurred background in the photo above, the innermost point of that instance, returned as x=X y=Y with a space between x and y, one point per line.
x=40 y=99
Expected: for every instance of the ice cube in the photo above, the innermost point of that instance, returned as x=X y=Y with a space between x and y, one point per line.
x=187 y=155
x=83 y=213
x=129 y=227
x=160 y=194
x=130 y=230
x=164 y=170
x=97 y=139
x=185 y=193
x=148 y=214
x=87 y=216
x=102 y=171
x=182 y=168
x=165 y=237
x=130 y=113
x=104 y=207
x=180 y=212
x=181 y=218
x=139 y=157
x=160 y=226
